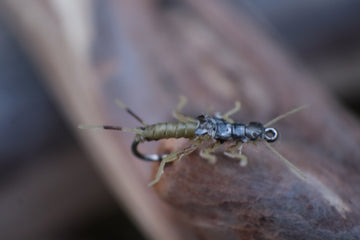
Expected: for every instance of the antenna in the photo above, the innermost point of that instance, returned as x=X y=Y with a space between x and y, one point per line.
x=286 y=114
x=287 y=162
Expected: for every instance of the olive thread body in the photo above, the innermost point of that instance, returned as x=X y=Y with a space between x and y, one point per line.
x=169 y=130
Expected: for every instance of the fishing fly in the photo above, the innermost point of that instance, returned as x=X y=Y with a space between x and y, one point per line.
x=219 y=128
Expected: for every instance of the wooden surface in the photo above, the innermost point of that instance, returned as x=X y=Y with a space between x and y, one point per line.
x=147 y=53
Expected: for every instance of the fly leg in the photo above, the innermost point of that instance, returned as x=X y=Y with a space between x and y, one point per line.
x=207 y=152
x=235 y=152
x=179 y=116
x=227 y=115
x=174 y=157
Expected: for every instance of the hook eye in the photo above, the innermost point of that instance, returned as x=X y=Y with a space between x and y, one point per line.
x=271 y=134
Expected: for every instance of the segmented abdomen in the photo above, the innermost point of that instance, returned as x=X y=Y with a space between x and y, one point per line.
x=170 y=130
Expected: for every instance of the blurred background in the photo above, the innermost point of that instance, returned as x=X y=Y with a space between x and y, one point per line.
x=50 y=188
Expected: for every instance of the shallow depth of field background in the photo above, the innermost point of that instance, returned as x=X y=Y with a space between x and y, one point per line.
x=65 y=198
